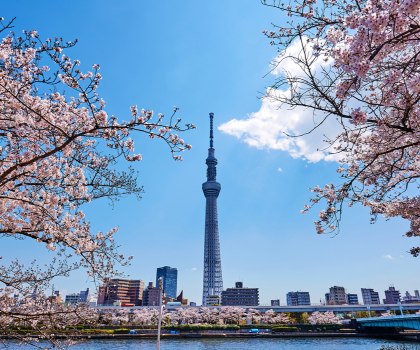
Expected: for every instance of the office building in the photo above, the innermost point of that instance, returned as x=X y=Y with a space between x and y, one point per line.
x=121 y=290
x=170 y=279
x=212 y=275
x=76 y=298
x=193 y=304
x=298 y=298
x=151 y=295
x=85 y=296
x=370 y=297
x=212 y=300
x=392 y=296
x=337 y=296
x=410 y=299
x=240 y=296
x=327 y=298
x=275 y=302
x=352 y=299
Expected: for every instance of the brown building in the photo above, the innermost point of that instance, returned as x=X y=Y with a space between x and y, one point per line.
x=56 y=297
x=166 y=300
x=151 y=295
x=240 y=296
x=337 y=296
x=180 y=298
x=125 y=291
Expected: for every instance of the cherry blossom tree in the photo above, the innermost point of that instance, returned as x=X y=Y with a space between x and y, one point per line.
x=210 y=315
x=193 y=315
x=268 y=317
x=226 y=314
x=358 y=63
x=323 y=318
x=58 y=151
x=185 y=316
x=141 y=316
x=238 y=314
x=253 y=315
x=121 y=316
x=154 y=316
x=281 y=318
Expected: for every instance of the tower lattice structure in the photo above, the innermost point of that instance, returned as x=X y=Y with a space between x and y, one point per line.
x=212 y=281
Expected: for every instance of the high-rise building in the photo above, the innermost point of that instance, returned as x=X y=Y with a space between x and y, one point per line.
x=240 y=296
x=170 y=278
x=118 y=289
x=275 y=302
x=392 y=296
x=337 y=296
x=212 y=279
x=298 y=298
x=352 y=299
x=370 y=297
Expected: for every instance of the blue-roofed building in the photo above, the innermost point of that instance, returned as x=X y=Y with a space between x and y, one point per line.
x=170 y=280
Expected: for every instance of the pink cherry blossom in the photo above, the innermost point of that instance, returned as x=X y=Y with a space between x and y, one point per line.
x=359 y=64
x=53 y=159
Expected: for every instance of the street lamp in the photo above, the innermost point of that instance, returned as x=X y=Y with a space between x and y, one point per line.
x=160 y=281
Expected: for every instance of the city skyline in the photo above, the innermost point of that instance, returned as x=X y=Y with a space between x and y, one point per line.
x=293 y=298
x=337 y=295
x=264 y=189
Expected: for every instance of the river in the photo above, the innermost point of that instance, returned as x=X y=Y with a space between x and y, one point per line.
x=236 y=344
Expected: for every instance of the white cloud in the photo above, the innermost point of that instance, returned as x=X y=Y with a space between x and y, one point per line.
x=280 y=170
x=267 y=128
x=388 y=257
x=194 y=268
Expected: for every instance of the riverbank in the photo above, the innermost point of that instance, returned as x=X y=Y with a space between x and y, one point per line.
x=411 y=336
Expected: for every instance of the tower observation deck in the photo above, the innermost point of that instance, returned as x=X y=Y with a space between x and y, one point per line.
x=212 y=281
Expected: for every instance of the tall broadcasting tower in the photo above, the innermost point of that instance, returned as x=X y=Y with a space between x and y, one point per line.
x=212 y=282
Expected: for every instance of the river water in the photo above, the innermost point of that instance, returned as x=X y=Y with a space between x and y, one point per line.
x=237 y=344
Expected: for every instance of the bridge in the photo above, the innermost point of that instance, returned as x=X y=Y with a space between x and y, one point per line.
x=302 y=308
x=402 y=321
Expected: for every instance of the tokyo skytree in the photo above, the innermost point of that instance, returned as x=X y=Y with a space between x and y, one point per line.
x=212 y=281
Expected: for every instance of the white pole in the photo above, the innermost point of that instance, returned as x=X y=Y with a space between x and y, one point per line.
x=160 y=312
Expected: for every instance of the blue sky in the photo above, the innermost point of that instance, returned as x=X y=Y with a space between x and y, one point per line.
x=211 y=57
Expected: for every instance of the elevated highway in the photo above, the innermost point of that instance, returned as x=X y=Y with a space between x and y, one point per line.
x=306 y=308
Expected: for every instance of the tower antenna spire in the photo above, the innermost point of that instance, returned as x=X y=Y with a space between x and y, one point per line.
x=211 y=129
